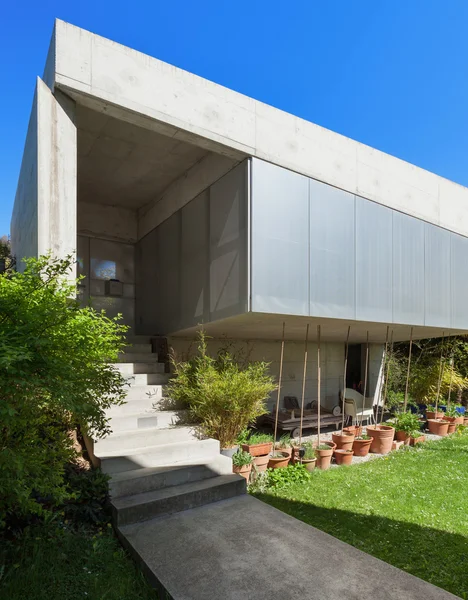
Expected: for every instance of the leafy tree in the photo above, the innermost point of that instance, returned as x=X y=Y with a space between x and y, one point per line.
x=54 y=374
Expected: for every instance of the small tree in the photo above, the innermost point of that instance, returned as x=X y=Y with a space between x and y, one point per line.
x=223 y=397
x=54 y=374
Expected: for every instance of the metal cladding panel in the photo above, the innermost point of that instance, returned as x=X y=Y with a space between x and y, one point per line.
x=459 y=275
x=332 y=261
x=437 y=277
x=373 y=261
x=228 y=271
x=280 y=240
x=408 y=269
x=194 y=262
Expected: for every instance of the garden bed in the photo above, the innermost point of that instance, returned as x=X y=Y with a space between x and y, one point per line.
x=408 y=508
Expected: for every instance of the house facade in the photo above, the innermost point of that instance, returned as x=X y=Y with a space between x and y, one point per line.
x=187 y=203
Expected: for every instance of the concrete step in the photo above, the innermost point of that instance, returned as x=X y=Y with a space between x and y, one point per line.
x=133 y=368
x=177 y=453
x=134 y=379
x=148 y=418
x=147 y=505
x=138 y=481
x=138 y=357
x=140 y=392
x=138 y=339
x=139 y=348
x=131 y=407
x=142 y=438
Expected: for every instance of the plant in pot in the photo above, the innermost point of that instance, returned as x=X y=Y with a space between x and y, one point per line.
x=453 y=417
x=242 y=463
x=343 y=457
x=324 y=453
x=405 y=424
x=258 y=444
x=223 y=396
x=309 y=459
x=361 y=445
x=432 y=414
x=343 y=440
x=284 y=444
x=416 y=437
x=382 y=438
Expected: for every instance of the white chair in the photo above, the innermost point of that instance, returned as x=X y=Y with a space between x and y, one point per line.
x=354 y=407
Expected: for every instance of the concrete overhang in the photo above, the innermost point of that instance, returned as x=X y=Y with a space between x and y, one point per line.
x=128 y=85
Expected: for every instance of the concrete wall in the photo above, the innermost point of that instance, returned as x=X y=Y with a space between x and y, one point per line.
x=44 y=214
x=107 y=222
x=194 y=109
x=332 y=363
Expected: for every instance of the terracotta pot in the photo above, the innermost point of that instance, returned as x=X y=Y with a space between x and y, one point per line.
x=361 y=447
x=417 y=440
x=465 y=420
x=343 y=441
x=402 y=436
x=261 y=462
x=433 y=415
x=324 y=458
x=288 y=450
x=258 y=449
x=309 y=463
x=382 y=438
x=343 y=457
x=244 y=471
x=355 y=429
x=328 y=443
x=295 y=458
x=397 y=445
x=438 y=426
x=279 y=462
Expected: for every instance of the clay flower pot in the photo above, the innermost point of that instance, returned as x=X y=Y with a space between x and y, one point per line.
x=324 y=458
x=453 y=422
x=295 y=458
x=356 y=429
x=402 y=436
x=465 y=420
x=417 y=440
x=244 y=471
x=343 y=441
x=258 y=449
x=382 y=438
x=397 y=445
x=343 y=457
x=361 y=447
x=278 y=462
x=261 y=462
x=433 y=415
x=287 y=451
x=438 y=426
x=309 y=463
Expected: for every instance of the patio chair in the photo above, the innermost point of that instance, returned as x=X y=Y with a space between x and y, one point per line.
x=354 y=407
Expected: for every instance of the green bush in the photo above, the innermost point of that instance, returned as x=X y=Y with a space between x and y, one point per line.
x=222 y=396
x=288 y=476
x=407 y=422
x=241 y=458
x=89 y=496
x=54 y=374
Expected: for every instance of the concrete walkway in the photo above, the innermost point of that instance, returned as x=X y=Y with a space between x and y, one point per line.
x=244 y=549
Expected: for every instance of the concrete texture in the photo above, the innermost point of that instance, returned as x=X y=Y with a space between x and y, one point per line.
x=243 y=549
x=194 y=110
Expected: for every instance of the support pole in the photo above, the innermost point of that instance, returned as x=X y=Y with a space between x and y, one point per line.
x=439 y=381
x=280 y=379
x=318 y=385
x=381 y=394
x=304 y=382
x=408 y=371
x=386 y=379
x=344 y=380
x=366 y=368
x=451 y=378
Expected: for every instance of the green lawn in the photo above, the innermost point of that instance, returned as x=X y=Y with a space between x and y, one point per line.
x=409 y=509
x=55 y=563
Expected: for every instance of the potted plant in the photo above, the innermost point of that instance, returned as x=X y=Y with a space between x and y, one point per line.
x=222 y=396
x=284 y=444
x=258 y=444
x=343 y=440
x=405 y=424
x=432 y=414
x=242 y=464
x=438 y=426
x=361 y=445
x=309 y=460
x=416 y=437
x=278 y=460
x=324 y=453
x=453 y=417
x=343 y=457
x=382 y=438
x=355 y=429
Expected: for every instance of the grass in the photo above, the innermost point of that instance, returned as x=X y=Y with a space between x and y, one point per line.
x=54 y=562
x=409 y=509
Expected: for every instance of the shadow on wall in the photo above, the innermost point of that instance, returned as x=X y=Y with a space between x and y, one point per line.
x=439 y=557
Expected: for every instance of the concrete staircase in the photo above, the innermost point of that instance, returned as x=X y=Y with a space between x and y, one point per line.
x=157 y=465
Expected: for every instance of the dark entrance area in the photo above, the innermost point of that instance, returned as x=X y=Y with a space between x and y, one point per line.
x=353 y=375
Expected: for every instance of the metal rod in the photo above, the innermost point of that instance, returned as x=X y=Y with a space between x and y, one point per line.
x=451 y=377
x=318 y=384
x=304 y=382
x=365 y=379
x=408 y=371
x=439 y=381
x=386 y=379
x=383 y=375
x=344 y=380
x=280 y=379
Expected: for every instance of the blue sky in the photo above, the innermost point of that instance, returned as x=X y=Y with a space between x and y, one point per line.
x=390 y=73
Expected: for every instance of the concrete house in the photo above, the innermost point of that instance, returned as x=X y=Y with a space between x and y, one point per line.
x=210 y=207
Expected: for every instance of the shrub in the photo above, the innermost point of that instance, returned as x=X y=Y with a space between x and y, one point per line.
x=288 y=476
x=54 y=374
x=223 y=397
x=258 y=438
x=407 y=422
x=88 y=502
x=241 y=458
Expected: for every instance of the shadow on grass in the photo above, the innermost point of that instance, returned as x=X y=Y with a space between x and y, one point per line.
x=436 y=556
